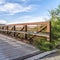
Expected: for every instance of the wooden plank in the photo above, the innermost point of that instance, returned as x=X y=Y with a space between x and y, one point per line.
x=14 y=30
x=45 y=24
x=33 y=23
x=7 y=29
x=25 y=31
x=37 y=34
x=48 y=27
x=19 y=30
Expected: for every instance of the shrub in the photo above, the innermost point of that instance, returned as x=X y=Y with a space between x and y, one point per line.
x=42 y=44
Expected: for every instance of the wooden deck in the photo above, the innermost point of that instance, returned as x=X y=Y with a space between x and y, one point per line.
x=11 y=48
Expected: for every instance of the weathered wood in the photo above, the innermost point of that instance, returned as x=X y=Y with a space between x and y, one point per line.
x=50 y=39
x=34 y=23
x=37 y=34
x=19 y=33
x=45 y=25
x=48 y=27
x=7 y=29
x=11 y=49
x=25 y=31
x=3 y=29
x=14 y=30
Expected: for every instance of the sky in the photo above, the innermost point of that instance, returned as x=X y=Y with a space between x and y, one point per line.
x=22 y=11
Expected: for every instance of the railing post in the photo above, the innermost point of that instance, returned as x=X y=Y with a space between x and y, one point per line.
x=48 y=29
x=50 y=35
x=25 y=31
x=3 y=29
x=7 y=29
x=14 y=30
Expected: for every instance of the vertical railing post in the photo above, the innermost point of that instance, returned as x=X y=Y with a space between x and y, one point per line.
x=25 y=31
x=3 y=29
x=48 y=30
x=50 y=36
x=14 y=30
x=7 y=29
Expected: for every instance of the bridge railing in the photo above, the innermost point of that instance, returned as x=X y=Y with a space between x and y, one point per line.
x=27 y=30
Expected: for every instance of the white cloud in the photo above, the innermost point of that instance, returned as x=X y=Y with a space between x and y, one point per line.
x=35 y=19
x=28 y=19
x=13 y=8
x=2 y=1
x=3 y=22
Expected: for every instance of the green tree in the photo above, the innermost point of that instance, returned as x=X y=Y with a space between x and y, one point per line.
x=43 y=44
x=55 y=25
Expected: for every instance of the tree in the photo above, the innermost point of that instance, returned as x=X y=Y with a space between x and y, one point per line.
x=55 y=24
x=43 y=44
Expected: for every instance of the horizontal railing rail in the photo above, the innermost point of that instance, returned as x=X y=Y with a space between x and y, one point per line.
x=37 y=34
x=29 y=30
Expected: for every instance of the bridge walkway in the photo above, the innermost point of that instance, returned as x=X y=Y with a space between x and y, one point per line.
x=11 y=49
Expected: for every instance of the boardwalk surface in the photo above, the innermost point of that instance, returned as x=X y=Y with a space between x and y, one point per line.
x=11 y=48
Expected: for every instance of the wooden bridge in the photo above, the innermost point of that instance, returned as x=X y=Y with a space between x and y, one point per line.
x=11 y=48
x=27 y=30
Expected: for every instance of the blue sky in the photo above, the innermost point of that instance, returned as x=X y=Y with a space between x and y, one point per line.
x=20 y=11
